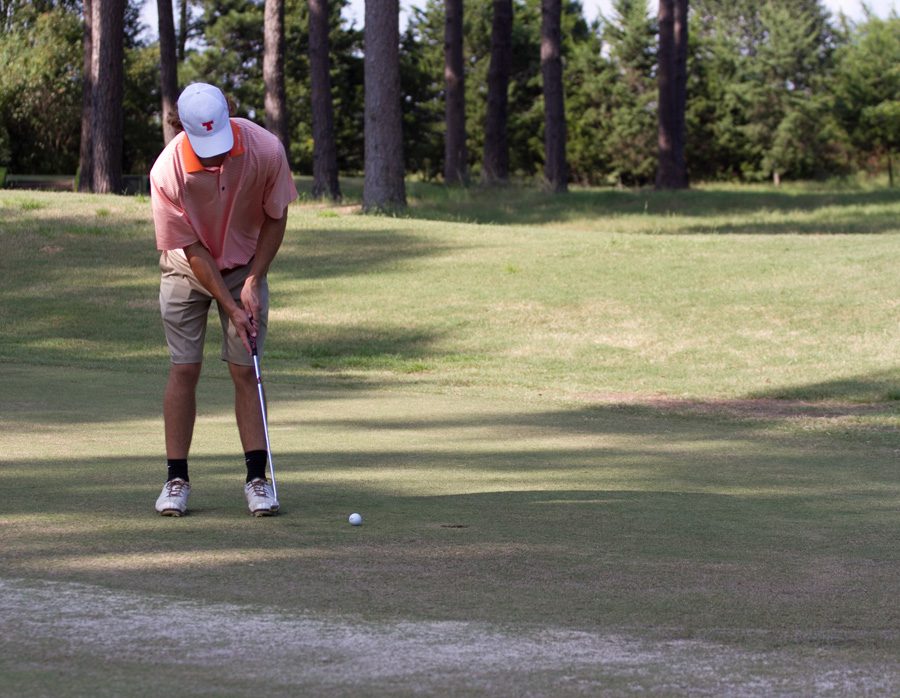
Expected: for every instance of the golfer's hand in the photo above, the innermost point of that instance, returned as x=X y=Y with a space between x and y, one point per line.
x=244 y=326
x=250 y=301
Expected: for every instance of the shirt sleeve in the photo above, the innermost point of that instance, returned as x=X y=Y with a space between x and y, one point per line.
x=173 y=229
x=280 y=187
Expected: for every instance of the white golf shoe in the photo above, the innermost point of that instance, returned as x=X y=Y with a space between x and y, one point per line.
x=173 y=499
x=261 y=497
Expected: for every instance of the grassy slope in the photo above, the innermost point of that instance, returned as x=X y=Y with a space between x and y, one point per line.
x=558 y=419
x=566 y=307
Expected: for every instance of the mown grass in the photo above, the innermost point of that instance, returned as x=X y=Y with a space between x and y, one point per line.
x=560 y=307
x=671 y=414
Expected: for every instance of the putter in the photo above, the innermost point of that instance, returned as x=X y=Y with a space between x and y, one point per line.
x=262 y=407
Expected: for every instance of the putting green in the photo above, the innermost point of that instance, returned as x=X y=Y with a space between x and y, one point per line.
x=602 y=518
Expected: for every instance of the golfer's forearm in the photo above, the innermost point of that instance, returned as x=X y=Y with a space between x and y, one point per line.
x=207 y=273
x=271 y=236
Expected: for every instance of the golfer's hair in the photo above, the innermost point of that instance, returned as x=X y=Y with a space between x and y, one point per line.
x=175 y=122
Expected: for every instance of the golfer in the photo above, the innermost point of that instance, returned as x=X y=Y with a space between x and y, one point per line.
x=219 y=194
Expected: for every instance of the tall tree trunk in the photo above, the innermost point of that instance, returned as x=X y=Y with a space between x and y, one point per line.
x=672 y=83
x=168 y=73
x=383 y=188
x=86 y=153
x=555 y=167
x=273 y=73
x=325 y=167
x=182 y=29
x=681 y=78
x=495 y=168
x=455 y=155
x=107 y=89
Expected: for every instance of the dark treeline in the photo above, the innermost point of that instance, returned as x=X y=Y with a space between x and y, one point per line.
x=775 y=90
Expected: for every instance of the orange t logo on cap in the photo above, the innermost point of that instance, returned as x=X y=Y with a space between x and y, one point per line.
x=208 y=124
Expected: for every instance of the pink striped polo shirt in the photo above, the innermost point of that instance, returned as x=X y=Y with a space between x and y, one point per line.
x=222 y=207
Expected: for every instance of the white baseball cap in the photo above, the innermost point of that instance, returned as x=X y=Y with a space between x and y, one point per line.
x=203 y=111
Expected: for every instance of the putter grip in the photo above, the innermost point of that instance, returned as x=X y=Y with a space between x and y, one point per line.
x=253 y=349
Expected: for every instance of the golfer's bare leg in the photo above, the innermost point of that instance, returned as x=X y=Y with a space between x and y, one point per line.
x=180 y=408
x=247 y=409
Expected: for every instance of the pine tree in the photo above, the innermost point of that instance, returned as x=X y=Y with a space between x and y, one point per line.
x=273 y=72
x=767 y=67
x=455 y=156
x=867 y=88
x=168 y=68
x=495 y=168
x=86 y=149
x=107 y=89
x=556 y=175
x=629 y=140
x=325 y=167
x=384 y=188
x=672 y=81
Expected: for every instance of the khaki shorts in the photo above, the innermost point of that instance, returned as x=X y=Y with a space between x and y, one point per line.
x=185 y=305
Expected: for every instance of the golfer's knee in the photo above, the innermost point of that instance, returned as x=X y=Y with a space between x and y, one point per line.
x=185 y=374
x=242 y=375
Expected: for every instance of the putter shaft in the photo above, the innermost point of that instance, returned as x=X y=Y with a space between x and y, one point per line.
x=262 y=409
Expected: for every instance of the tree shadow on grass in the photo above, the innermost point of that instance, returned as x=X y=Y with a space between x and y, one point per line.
x=667 y=523
x=86 y=293
x=596 y=516
x=516 y=206
x=112 y=388
x=312 y=254
x=877 y=387
x=847 y=221
x=523 y=205
x=368 y=348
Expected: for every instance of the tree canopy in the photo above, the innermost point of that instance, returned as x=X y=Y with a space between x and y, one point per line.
x=775 y=89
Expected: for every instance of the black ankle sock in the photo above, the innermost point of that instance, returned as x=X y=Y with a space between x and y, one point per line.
x=256 y=464
x=178 y=469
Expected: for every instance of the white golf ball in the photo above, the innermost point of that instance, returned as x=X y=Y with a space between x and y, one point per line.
x=355 y=520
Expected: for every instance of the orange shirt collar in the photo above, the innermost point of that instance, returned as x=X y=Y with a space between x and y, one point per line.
x=189 y=158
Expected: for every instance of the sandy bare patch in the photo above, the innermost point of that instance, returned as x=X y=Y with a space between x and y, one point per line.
x=306 y=654
x=119 y=562
x=340 y=210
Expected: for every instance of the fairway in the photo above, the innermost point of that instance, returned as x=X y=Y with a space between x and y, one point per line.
x=614 y=443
